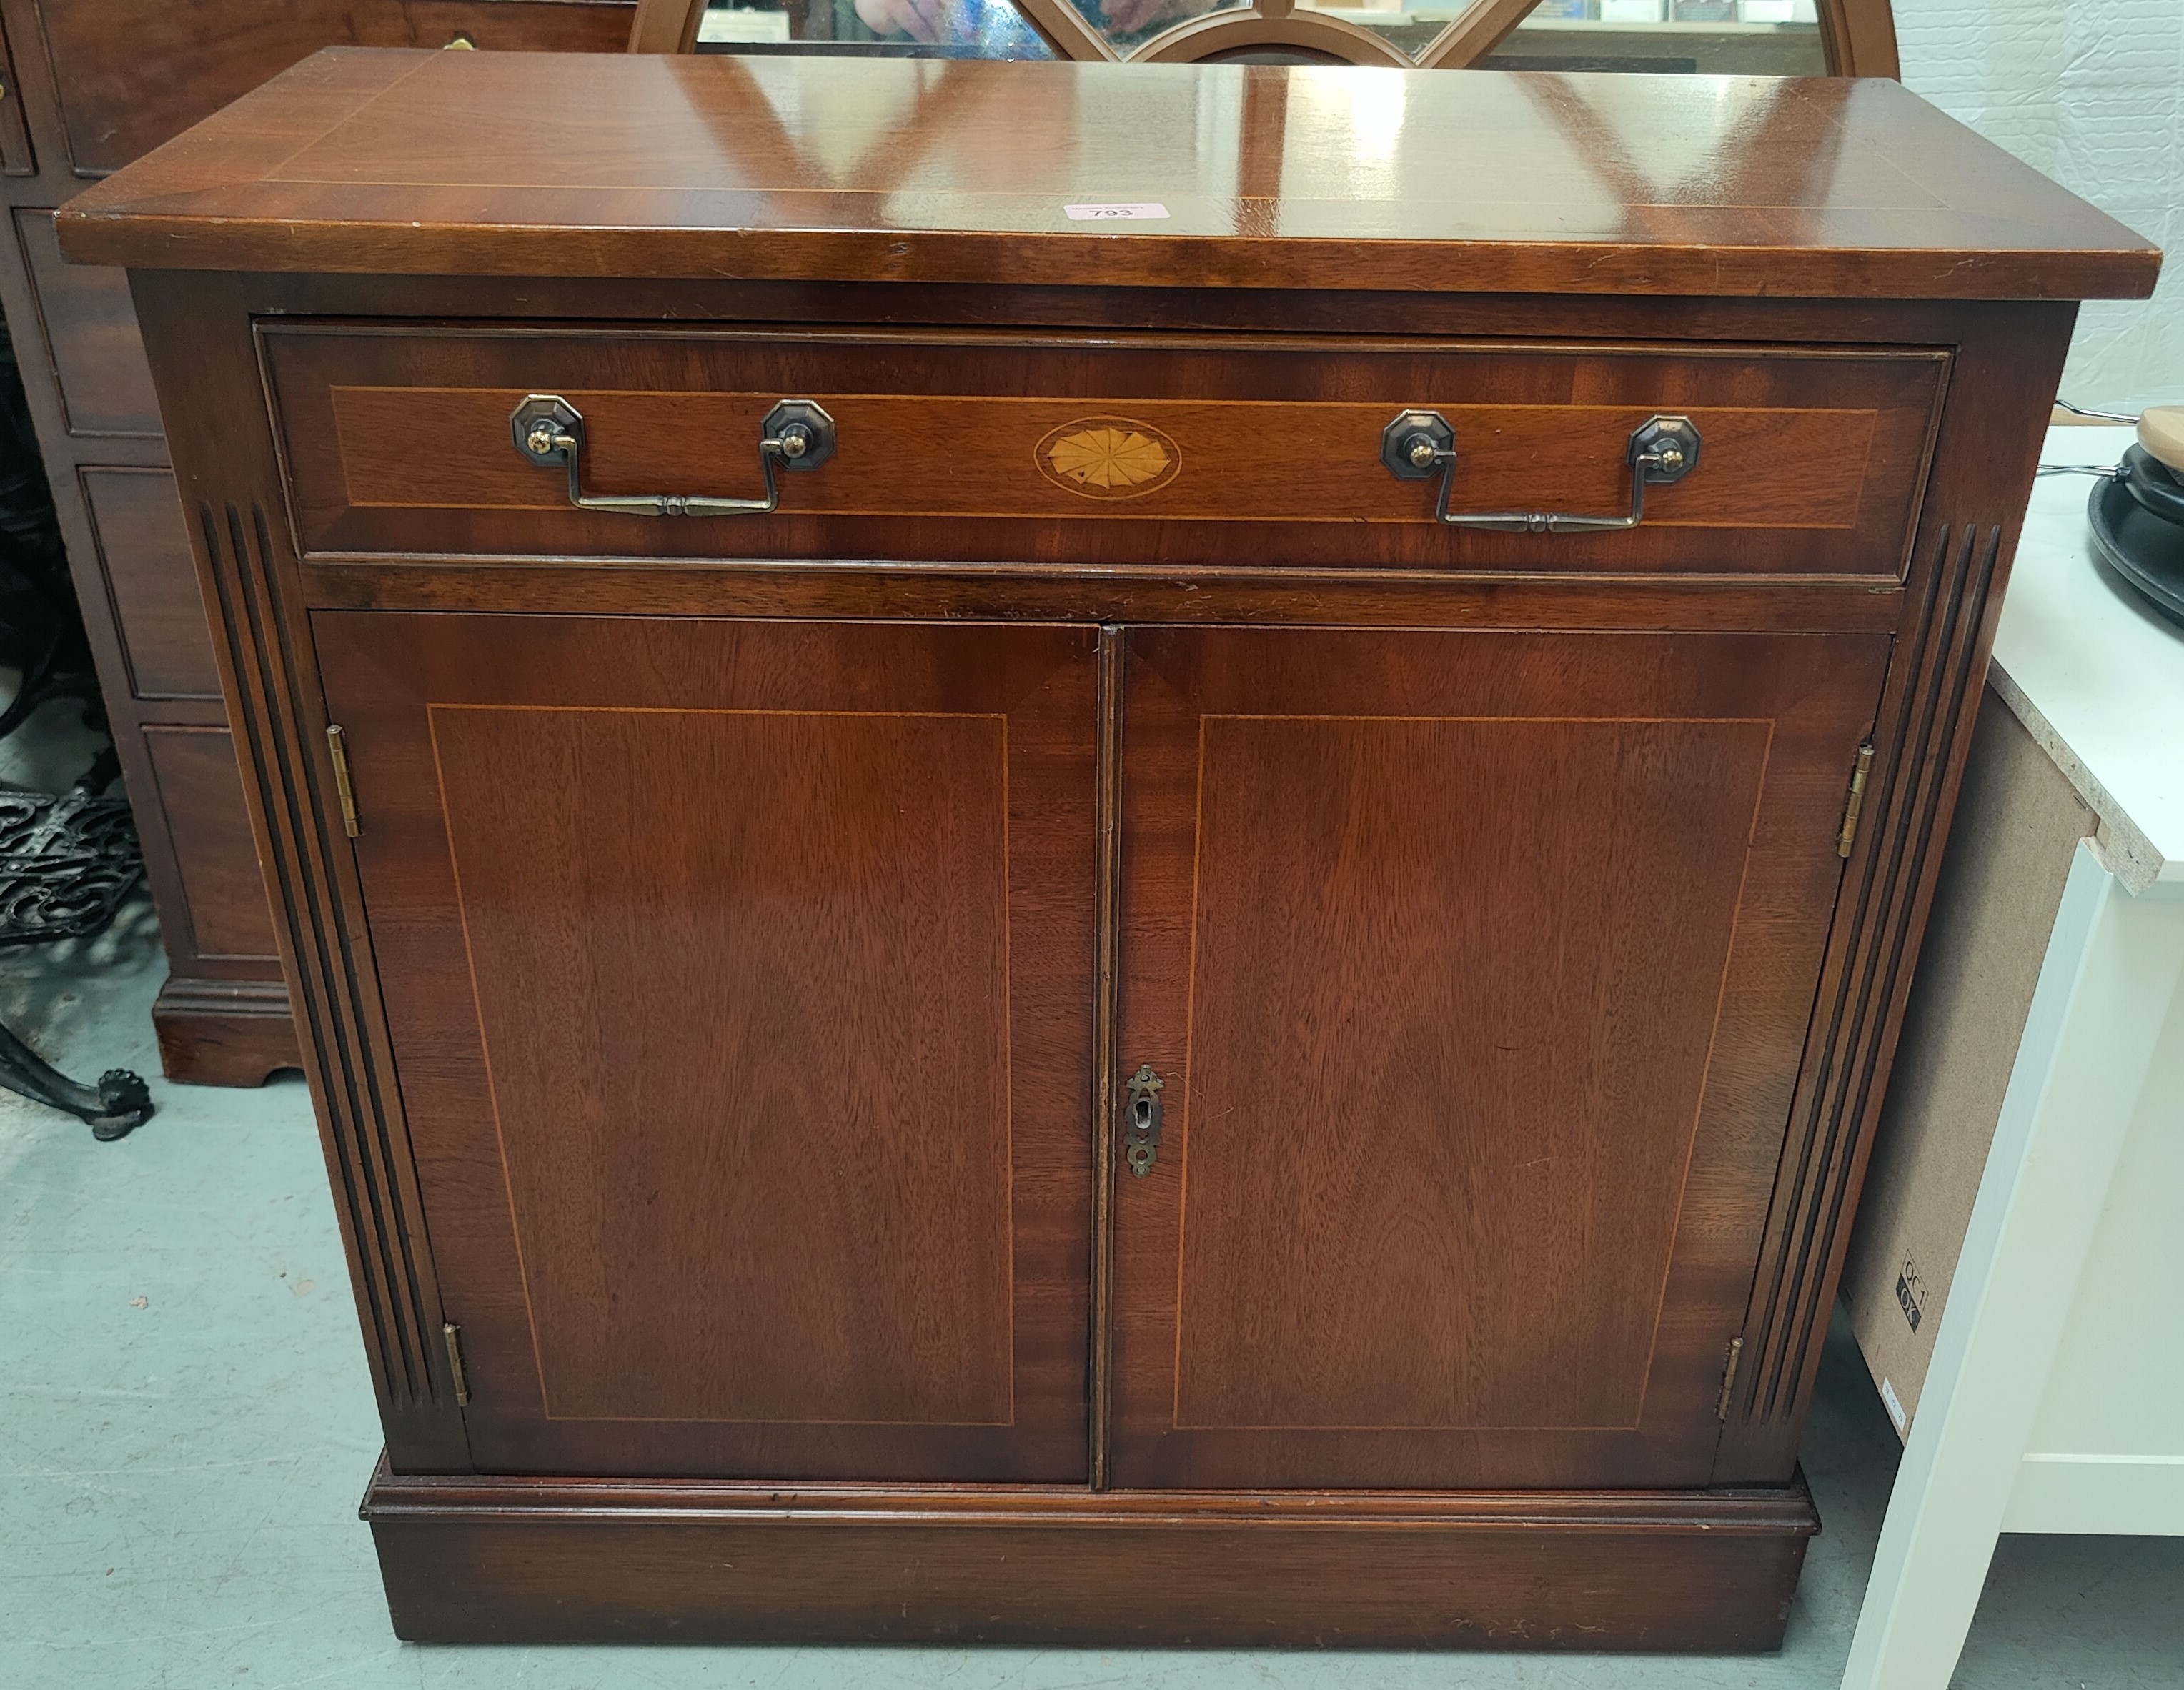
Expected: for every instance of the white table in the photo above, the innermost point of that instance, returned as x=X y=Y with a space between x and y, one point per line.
x=2054 y=1401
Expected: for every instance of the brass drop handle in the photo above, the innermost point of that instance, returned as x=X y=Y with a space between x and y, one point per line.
x=1141 y=1121
x=1662 y=451
x=549 y=431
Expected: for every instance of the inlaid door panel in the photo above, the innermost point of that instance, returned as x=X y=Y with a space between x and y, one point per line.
x=1477 y=966
x=738 y=976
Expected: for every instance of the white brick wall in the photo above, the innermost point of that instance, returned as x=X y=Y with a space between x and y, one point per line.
x=2092 y=92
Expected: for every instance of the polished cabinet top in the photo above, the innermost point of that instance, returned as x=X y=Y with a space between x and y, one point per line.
x=396 y=161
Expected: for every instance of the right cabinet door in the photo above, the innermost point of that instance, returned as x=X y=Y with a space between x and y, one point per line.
x=1477 y=967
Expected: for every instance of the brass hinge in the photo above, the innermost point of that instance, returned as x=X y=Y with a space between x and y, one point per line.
x=454 y=1334
x=1856 y=802
x=336 y=749
x=1728 y=1377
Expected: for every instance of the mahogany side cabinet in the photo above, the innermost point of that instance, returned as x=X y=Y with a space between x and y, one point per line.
x=1096 y=853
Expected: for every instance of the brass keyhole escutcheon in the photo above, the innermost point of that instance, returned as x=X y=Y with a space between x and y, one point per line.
x=1141 y=1121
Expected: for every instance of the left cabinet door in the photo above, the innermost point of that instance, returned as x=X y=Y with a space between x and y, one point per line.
x=738 y=975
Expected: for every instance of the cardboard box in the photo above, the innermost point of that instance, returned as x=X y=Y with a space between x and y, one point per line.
x=2018 y=822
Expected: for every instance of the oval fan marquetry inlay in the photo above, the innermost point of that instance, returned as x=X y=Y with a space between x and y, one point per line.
x=1108 y=458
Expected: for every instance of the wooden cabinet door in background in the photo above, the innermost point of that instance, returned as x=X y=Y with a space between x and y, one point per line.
x=1478 y=967
x=737 y=978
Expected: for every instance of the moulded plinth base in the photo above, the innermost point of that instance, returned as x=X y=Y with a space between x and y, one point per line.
x=472 y=1559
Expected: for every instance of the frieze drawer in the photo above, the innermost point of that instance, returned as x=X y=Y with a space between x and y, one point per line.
x=1175 y=452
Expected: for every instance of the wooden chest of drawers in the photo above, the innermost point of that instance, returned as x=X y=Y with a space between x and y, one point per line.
x=1181 y=934
x=85 y=86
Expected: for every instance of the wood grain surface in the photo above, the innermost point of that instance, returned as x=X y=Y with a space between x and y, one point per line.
x=98 y=355
x=85 y=85
x=223 y=900
x=946 y=446
x=1561 y=1071
x=1270 y=176
x=144 y=551
x=1478 y=966
x=750 y=961
x=226 y=1032
x=114 y=107
x=503 y=1560
x=1985 y=460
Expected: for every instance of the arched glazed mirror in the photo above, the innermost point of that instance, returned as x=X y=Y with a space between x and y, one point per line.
x=1729 y=37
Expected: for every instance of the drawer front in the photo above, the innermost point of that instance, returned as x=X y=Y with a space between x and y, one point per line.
x=1109 y=451
x=91 y=337
x=143 y=545
x=16 y=158
x=226 y=917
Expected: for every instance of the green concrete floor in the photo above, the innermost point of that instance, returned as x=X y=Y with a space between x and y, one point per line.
x=185 y=1426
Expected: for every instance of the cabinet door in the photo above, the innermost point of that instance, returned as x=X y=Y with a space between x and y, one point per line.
x=1477 y=965
x=738 y=977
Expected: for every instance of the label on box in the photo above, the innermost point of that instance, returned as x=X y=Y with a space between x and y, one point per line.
x=1141 y=211
x=1911 y=1293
